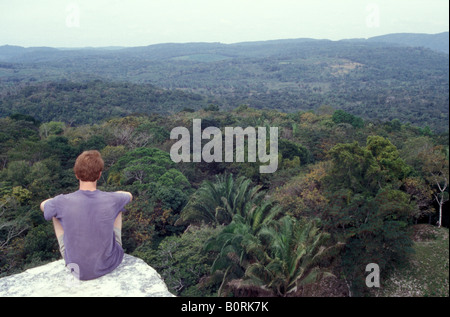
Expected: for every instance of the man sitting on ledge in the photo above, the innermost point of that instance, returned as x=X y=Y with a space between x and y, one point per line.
x=88 y=222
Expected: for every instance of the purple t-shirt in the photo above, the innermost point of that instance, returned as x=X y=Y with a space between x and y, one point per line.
x=87 y=218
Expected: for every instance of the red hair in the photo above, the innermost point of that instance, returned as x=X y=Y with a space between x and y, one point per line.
x=88 y=166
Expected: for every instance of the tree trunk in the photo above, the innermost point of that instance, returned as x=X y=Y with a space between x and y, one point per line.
x=440 y=201
x=440 y=214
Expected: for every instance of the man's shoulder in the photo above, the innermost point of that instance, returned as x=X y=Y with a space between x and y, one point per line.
x=115 y=194
x=107 y=193
x=63 y=196
x=97 y=194
x=80 y=194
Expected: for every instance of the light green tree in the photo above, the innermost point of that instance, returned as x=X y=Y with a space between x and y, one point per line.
x=217 y=202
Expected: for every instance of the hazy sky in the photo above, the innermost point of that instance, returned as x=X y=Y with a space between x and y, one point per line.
x=80 y=23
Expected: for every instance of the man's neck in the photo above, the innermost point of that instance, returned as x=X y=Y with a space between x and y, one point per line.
x=91 y=186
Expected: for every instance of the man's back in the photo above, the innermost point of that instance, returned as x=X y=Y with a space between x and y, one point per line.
x=87 y=218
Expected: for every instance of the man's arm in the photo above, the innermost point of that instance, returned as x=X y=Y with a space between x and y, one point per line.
x=59 y=231
x=128 y=193
x=44 y=202
x=118 y=220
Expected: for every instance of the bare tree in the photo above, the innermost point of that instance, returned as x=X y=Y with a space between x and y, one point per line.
x=436 y=171
x=13 y=228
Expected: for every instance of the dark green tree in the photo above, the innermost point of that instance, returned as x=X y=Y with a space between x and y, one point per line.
x=367 y=211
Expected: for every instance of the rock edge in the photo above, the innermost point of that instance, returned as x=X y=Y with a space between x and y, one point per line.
x=132 y=278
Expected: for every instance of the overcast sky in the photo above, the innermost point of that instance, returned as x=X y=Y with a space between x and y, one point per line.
x=81 y=23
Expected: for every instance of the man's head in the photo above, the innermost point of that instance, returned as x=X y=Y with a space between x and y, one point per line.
x=88 y=166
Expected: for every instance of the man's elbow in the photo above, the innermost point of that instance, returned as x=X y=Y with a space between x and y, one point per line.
x=43 y=204
x=128 y=193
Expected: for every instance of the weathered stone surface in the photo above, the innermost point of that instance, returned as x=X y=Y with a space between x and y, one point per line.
x=133 y=278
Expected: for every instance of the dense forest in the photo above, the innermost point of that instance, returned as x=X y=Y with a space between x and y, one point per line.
x=363 y=160
x=369 y=79
x=347 y=193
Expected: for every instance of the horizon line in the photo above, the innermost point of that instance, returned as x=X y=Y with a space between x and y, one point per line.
x=117 y=47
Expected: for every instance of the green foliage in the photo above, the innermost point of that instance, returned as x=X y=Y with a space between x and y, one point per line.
x=51 y=128
x=93 y=101
x=426 y=273
x=256 y=251
x=354 y=168
x=340 y=116
x=218 y=202
x=211 y=107
x=391 y=166
x=171 y=198
x=59 y=147
x=240 y=235
x=370 y=80
x=96 y=142
x=291 y=150
x=367 y=169
x=375 y=230
x=367 y=185
x=367 y=209
x=40 y=245
x=16 y=173
x=111 y=154
x=295 y=249
x=175 y=179
x=235 y=247
x=182 y=263
x=146 y=166
x=275 y=259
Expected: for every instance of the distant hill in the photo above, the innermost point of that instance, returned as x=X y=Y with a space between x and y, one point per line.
x=437 y=42
x=17 y=53
x=396 y=76
x=9 y=53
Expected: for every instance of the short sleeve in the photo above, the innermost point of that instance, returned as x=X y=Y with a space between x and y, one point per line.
x=50 y=208
x=122 y=200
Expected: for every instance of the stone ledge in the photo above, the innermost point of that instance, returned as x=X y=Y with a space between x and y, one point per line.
x=132 y=278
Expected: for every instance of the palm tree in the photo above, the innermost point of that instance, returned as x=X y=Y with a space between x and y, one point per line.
x=218 y=202
x=238 y=244
x=294 y=249
x=234 y=246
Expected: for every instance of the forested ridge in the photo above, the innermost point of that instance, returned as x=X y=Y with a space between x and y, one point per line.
x=362 y=167
x=373 y=80
x=94 y=101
